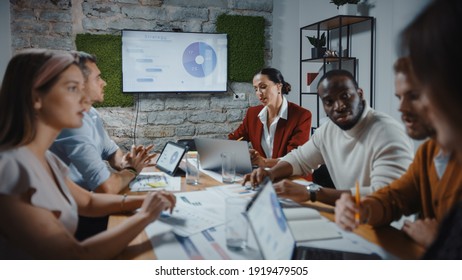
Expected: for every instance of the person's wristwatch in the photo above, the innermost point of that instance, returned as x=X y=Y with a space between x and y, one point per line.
x=313 y=189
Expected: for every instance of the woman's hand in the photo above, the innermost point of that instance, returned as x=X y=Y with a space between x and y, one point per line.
x=256 y=158
x=156 y=202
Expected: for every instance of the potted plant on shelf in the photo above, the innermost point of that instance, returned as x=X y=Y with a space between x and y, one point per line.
x=346 y=7
x=318 y=44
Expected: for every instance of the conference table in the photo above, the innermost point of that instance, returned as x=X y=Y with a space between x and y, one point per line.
x=389 y=238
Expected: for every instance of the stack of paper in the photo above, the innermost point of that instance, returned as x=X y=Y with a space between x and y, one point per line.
x=195 y=212
x=154 y=181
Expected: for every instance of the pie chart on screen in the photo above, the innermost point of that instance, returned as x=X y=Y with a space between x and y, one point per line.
x=199 y=59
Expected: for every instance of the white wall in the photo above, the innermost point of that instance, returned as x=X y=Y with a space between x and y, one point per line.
x=391 y=17
x=5 y=34
x=286 y=43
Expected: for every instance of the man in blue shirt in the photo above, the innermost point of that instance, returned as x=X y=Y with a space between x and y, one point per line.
x=88 y=150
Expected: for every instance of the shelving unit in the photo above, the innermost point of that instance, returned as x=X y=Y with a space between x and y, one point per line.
x=341 y=30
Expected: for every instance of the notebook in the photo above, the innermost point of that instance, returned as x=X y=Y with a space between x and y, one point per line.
x=274 y=236
x=302 y=218
x=170 y=158
x=210 y=150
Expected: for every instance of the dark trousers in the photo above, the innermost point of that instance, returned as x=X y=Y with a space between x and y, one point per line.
x=321 y=176
x=88 y=227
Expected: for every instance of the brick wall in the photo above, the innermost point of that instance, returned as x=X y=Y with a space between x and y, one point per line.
x=161 y=117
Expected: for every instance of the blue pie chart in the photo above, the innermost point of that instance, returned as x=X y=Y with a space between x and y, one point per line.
x=199 y=59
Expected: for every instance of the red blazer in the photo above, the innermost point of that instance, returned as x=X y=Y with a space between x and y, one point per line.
x=290 y=133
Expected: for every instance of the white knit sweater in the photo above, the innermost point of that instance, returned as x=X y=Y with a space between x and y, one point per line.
x=376 y=151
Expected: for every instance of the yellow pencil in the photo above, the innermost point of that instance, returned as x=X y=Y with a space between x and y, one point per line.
x=240 y=139
x=358 y=200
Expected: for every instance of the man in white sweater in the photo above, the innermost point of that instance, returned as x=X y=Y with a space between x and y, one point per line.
x=357 y=144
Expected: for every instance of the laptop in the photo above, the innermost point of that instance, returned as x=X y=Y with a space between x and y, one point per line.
x=170 y=158
x=273 y=235
x=210 y=150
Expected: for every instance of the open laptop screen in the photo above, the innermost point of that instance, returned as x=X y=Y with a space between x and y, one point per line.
x=210 y=150
x=269 y=225
x=275 y=239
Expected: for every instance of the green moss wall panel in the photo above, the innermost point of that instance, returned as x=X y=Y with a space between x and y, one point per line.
x=246 y=45
x=108 y=51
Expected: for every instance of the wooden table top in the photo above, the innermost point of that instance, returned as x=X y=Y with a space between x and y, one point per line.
x=391 y=239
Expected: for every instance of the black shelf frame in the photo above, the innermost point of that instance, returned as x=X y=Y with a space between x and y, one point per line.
x=329 y=24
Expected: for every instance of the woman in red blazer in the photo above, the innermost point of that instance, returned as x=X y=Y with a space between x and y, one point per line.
x=277 y=126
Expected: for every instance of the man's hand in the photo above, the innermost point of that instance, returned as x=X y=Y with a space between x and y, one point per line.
x=256 y=177
x=345 y=209
x=422 y=231
x=288 y=189
x=138 y=157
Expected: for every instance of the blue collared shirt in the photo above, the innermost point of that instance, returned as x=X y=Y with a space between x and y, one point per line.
x=85 y=150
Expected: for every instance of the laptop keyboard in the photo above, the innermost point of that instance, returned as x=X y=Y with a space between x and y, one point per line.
x=309 y=253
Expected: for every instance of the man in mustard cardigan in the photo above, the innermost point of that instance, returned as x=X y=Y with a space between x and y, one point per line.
x=430 y=187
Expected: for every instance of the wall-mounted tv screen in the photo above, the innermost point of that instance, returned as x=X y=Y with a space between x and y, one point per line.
x=155 y=61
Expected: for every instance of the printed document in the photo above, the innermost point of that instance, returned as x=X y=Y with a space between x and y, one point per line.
x=155 y=181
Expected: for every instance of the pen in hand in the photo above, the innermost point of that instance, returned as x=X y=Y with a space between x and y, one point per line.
x=357 y=200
